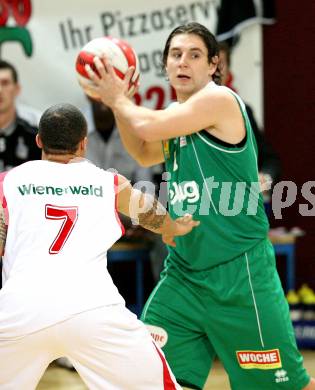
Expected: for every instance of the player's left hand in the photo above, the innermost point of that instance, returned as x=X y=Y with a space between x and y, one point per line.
x=183 y=225
x=265 y=181
x=107 y=84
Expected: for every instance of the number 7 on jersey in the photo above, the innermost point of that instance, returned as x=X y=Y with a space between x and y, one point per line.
x=69 y=215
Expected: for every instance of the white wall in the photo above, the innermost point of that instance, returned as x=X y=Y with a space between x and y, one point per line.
x=246 y=64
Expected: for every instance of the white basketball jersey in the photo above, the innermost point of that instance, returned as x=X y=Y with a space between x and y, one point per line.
x=62 y=219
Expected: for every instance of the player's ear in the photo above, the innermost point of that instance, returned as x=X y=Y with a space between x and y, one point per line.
x=213 y=65
x=83 y=144
x=39 y=142
x=17 y=89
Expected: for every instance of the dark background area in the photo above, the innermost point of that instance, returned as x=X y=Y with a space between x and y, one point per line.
x=289 y=106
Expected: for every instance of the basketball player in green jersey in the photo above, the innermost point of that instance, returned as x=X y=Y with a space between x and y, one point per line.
x=219 y=293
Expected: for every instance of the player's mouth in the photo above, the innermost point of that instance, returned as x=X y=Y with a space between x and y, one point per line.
x=183 y=77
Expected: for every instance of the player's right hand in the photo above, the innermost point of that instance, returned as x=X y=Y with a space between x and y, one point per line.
x=183 y=225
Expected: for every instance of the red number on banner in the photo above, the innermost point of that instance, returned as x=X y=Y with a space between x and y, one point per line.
x=173 y=94
x=21 y=11
x=69 y=215
x=159 y=92
x=4 y=12
x=149 y=95
x=137 y=99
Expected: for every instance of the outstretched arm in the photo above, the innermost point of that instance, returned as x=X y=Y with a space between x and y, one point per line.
x=150 y=213
x=209 y=108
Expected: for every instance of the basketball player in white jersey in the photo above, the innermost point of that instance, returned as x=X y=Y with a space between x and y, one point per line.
x=59 y=218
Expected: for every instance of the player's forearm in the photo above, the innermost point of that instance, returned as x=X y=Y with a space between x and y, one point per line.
x=134 y=119
x=148 y=212
x=157 y=219
x=132 y=144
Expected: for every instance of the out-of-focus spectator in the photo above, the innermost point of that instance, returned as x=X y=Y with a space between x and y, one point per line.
x=17 y=136
x=105 y=148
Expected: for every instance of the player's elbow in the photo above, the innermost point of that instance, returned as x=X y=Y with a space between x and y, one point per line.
x=144 y=161
x=150 y=134
x=145 y=158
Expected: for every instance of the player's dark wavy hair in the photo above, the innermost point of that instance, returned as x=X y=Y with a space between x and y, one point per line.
x=207 y=37
x=61 y=128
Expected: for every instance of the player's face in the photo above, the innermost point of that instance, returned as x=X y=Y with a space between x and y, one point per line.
x=8 y=90
x=187 y=65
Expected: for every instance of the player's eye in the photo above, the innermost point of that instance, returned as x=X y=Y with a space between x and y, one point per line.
x=195 y=55
x=176 y=54
x=5 y=83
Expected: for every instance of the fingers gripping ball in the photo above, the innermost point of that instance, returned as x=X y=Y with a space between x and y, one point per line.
x=119 y=53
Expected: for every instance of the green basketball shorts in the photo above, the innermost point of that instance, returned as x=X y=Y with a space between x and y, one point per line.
x=236 y=311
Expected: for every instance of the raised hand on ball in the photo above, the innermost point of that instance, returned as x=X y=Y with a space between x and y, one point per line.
x=107 y=85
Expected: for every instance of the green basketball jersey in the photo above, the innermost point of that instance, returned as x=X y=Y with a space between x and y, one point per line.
x=217 y=183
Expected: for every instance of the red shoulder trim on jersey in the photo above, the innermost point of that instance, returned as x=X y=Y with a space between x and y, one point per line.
x=116 y=205
x=3 y=199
